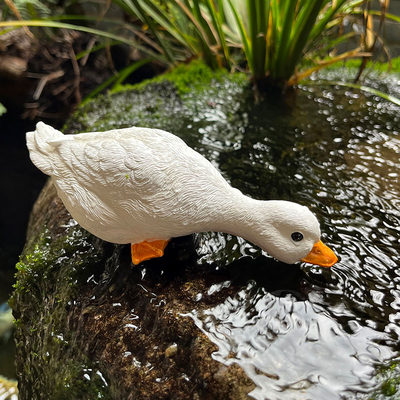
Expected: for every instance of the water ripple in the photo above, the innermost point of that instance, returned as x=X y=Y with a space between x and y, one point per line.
x=268 y=337
x=339 y=154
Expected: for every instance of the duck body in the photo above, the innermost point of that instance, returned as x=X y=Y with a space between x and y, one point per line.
x=139 y=184
x=133 y=184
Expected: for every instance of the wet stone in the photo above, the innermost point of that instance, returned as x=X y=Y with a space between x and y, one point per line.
x=215 y=318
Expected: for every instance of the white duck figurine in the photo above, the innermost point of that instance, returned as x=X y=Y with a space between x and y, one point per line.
x=144 y=186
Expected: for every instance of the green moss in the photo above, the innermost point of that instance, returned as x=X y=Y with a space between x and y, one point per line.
x=186 y=78
x=196 y=75
x=393 y=66
x=45 y=256
x=175 y=95
x=390 y=383
x=165 y=101
x=46 y=285
x=389 y=387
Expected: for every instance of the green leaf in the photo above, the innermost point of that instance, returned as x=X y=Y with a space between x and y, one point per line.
x=217 y=22
x=304 y=24
x=3 y=110
x=245 y=39
x=97 y=32
x=283 y=43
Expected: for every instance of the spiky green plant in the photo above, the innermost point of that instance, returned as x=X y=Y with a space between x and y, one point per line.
x=273 y=37
x=280 y=42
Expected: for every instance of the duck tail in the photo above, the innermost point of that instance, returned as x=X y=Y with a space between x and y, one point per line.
x=40 y=146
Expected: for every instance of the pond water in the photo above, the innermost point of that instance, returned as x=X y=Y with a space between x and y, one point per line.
x=320 y=334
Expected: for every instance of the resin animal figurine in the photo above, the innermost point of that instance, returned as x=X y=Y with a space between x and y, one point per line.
x=144 y=186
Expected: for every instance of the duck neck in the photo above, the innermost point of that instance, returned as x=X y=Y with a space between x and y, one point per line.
x=243 y=216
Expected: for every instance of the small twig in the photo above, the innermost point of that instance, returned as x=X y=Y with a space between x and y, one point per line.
x=89 y=48
x=371 y=36
x=104 y=11
x=47 y=55
x=43 y=81
x=68 y=91
x=31 y=105
x=35 y=110
x=77 y=74
x=14 y=9
x=60 y=88
x=109 y=59
x=34 y=75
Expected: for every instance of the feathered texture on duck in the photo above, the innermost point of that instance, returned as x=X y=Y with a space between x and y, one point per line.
x=144 y=186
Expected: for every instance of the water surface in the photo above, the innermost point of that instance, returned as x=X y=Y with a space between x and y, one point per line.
x=322 y=334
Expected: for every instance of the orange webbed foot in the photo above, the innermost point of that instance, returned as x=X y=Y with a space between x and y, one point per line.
x=146 y=250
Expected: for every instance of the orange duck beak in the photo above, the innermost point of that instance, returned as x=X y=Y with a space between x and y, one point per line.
x=321 y=255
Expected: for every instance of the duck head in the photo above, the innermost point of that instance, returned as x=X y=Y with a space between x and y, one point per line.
x=291 y=233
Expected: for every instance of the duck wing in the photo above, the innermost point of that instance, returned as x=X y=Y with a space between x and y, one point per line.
x=144 y=165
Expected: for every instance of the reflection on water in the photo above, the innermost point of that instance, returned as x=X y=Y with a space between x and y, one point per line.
x=338 y=153
x=291 y=347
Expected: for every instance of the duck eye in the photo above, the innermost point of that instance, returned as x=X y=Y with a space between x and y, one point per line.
x=297 y=236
